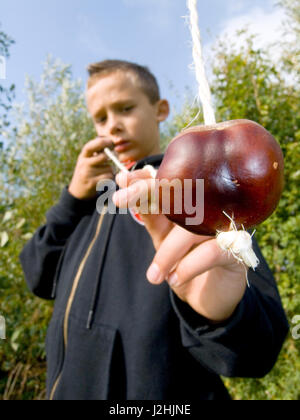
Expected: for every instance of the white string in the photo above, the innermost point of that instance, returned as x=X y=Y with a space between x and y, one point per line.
x=204 y=94
x=239 y=243
x=116 y=161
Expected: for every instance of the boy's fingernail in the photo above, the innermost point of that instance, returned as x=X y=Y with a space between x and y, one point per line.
x=115 y=198
x=173 y=280
x=121 y=195
x=154 y=274
x=121 y=178
x=118 y=178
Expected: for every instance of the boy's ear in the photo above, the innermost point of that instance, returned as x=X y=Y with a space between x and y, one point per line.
x=163 y=110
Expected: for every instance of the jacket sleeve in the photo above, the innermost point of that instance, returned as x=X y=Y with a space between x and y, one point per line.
x=248 y=344
x=41 y=255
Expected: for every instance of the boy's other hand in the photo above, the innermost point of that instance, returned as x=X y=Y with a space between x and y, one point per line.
x=92 y=166
x=208 y=279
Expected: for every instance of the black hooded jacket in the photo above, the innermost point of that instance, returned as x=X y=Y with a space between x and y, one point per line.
x=114 y=336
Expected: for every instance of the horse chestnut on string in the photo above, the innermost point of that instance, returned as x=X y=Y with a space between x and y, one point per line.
x=243 y=171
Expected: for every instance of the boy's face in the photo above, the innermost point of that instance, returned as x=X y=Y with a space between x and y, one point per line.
x=122 y=112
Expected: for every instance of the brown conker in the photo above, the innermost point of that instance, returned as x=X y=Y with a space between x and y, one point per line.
x=243 y=171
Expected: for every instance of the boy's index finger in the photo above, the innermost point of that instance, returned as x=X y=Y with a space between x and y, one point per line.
x=125 y=179
x=176 y=245
x=97 y=146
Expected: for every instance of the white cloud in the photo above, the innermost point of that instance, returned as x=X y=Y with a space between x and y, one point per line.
x=267 y=27
x=237 y=6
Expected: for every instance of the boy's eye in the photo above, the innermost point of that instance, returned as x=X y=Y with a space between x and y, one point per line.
x=127 y=108
x=100 y=120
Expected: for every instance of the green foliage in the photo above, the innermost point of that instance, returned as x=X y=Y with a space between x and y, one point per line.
x=247 y=84
x=5 y=43
x=39 y=161
x=266 y=97
x=6 y=94
x=291 y=40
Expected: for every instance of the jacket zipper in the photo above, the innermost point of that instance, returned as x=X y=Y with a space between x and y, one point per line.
x=72 y=295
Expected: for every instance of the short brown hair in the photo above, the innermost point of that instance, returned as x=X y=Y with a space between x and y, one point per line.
x=146 y=79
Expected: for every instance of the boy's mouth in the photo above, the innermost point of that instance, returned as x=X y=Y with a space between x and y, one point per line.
x=122 y=146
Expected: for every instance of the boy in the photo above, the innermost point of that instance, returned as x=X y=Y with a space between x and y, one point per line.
x=113 y=334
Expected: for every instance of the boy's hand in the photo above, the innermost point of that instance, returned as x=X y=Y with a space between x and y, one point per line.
x=136 y=186
x=92 y=166
x=198 y=271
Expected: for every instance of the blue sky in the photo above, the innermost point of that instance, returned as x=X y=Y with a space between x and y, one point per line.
x=150 y=32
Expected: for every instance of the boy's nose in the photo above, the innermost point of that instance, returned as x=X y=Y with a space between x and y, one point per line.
x=115 y=126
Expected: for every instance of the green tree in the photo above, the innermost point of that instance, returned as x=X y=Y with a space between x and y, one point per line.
x=6 y=94
x=37 y=163
x=248 y=84
x=291 y=41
